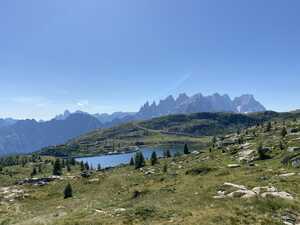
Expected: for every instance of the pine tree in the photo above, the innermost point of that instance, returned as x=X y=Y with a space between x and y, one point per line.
x=86 y=166
x=167 y=154
x=131 y=163
x=99 y=167
x=34 y=172
x=81 y=166
x=139 y=160
x=283 y=132
x=186 y=149
x=40 y=170
x=269 y=127
x=73 y=162
x=153 y=158
x=68 y=167
x=165 y=168
x=261 y=152
x=57 y=170
x=281 y=145
x=63 y=163
x=68 y=192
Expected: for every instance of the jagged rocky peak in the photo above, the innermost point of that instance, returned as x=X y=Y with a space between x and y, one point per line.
x=201 y=103
x=63 y=116
x=182 y=98
x=247 y=104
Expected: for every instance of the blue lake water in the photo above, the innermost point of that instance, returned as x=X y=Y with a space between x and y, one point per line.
x=107 y=161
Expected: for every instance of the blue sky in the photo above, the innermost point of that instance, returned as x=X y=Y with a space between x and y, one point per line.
x=111 y=55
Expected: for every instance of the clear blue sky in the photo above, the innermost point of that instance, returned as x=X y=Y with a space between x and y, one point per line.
x=110 y=55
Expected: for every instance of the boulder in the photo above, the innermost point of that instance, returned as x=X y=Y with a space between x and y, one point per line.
x=293 y=149
x=233 y=166
x=287 y=174
x=281 y=194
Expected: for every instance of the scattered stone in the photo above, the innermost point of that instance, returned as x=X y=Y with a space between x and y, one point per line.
x=287 y=174
x=195 y=152
x=86 y=174
x=94 y=180
x=246 y=155
x=232 y=166
x=39 y=181
x=293 y=149
x=12 y=193
x=259 y=190
x=281 y=194
x=243 y=192
x=296 y=162
x=235 y=186
x=290 y=218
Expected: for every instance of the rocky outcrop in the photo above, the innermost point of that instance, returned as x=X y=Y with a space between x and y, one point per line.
x=230 y=190
x=200 y=103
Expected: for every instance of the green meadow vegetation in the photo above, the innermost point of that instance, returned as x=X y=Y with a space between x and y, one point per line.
x=248 y=174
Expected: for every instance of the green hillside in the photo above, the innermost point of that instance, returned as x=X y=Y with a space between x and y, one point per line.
x=168 y=130
x=245 y=177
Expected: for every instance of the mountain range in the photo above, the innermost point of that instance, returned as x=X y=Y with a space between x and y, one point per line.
x=24 y=136
x=184 y=104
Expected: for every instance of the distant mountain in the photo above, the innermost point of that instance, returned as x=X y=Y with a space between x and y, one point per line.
x=7 y=122
x=29 y=135
x=103 y=117
x=199 y=103
x=247 y=104
x=107 y=118
x=63 y=116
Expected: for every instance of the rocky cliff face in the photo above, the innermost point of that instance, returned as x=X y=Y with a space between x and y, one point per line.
x=200 y=103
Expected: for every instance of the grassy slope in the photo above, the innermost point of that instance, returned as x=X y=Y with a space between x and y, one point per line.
x=166 y=198
x=193 y=129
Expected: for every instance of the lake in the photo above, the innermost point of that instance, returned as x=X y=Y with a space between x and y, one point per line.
x=107 y=161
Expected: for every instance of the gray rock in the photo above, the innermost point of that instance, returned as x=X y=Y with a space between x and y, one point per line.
x=293 y=149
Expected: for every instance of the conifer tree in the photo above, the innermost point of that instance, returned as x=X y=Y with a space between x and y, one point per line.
x=186 y=149
x=165 y=168
x=99 y=167
x=82 y=166
x=68 y=192
x=57 y=170
x=86 y=166
x=283 y=132
x=139 y=160
x=167 y=154
x=153 y=158
x=34 y=172
x=40 y=170
x=68 y=167
x=269 y=127
x=131 y=163
x=261 y=152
